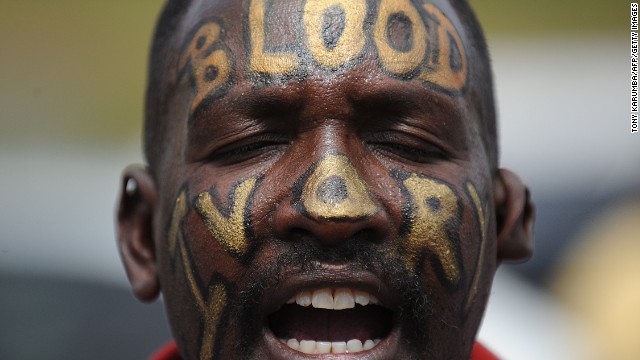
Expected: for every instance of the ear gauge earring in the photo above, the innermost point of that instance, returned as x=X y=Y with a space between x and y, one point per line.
x=131 y=187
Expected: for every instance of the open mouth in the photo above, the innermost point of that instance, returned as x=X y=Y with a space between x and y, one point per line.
x=330 y=320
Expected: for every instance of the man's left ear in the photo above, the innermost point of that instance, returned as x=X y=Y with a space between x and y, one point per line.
x=135 y=212
x=515 y=215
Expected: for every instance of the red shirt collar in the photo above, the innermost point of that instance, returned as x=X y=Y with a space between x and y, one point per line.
x=170 y=352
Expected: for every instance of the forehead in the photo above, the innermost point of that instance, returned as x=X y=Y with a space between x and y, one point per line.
x=269 y=42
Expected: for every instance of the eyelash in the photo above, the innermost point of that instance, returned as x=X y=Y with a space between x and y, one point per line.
x=246 y=150
x=422 y=152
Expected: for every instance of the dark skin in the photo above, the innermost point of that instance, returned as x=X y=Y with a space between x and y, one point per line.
x=329 y=172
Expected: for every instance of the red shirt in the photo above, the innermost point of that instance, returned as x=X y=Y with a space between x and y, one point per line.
x=170 y=352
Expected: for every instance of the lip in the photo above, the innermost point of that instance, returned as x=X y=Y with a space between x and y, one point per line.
x=327 y=275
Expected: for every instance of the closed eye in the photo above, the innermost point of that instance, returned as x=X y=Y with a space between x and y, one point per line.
x=258 y=148
x=406 y=148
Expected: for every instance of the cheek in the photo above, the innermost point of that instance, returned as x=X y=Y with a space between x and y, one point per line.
x=203 y=236
x=447 y=233
x=229 y=224
x=432 y=219
x=483 y=264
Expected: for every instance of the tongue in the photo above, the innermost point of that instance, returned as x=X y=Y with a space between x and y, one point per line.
x=307 y=323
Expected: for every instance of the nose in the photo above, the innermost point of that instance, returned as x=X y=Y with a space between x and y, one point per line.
x=331 y=203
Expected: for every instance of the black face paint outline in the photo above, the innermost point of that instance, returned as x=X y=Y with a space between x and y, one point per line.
x=399 y=18
x=306 y=61
x=301 y=182
x=409 y=75
x=451 y=228
x=313 y=63
x=433 y=25
x=187 y=69
x=215 y=311
x=263 y=80
x=484 y=219
x=332 y=32
x=243 y=257
x=221 y=321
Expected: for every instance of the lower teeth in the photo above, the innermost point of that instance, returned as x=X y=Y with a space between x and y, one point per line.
x=325 y=347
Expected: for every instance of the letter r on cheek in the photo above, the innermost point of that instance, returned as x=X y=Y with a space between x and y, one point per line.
x=434 y=209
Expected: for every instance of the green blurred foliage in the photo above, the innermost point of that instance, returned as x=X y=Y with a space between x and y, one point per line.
x=74 y=70
x=550 y=18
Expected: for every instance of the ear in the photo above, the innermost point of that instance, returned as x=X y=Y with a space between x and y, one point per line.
x=135 y=213
x=515 y=215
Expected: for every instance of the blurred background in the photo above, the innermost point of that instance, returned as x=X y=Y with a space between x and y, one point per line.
x=72 y=78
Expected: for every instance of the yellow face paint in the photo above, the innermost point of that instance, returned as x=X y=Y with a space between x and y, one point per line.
x=335 y=191
x=435 y=207
x=350 y=41
x=179 y=212
x=214 y=310
x=410 y=41
x=211 y=305
x=261 y=61
x=207 y=62
x=483 y=221
x=407 y=42
x=400 y=59
x=450 y=51
x=228 y=229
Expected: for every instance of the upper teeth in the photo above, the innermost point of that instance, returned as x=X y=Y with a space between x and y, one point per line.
x=333 y=299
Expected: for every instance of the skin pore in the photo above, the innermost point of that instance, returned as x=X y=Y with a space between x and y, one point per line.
x=329 y=152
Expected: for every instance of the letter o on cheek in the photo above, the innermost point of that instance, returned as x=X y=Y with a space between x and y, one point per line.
x=349 y=44
x=400 y=62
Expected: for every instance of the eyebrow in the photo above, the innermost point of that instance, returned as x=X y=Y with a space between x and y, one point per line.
x=437 y=113
x=260 y=103
x=401 y=99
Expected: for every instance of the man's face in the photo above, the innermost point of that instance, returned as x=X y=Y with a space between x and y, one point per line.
x=328 y=190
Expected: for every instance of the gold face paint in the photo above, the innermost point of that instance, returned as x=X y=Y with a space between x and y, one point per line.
x=440 y=71
x=179 y=212
x=406 y=43
x=350 y=41
x=435 y=205
x=211 y=306
x=482 y=214
x=207 y=62
x=410 y=42
x=335 y=191
x=228 y=229
x=215 y=308
x=260 y=61
x=400 y=59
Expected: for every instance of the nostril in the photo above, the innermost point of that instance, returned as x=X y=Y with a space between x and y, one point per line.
x=368 y=235
x=299 y=234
